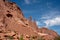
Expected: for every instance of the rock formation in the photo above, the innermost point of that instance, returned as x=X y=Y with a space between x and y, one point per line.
x=13 y=24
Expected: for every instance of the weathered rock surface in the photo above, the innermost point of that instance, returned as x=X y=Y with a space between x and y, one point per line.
x=13 y=24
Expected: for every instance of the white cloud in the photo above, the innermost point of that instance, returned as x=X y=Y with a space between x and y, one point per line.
x=50 y=19
x=49 y=22
x=38 y=23
x=36 y=1
x=45 y=17
x=31 y=1
x=27 y=1
x=52 y=22
x=49 y=5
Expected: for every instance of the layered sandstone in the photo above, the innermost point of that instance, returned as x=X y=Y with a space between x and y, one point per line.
x=14 y=24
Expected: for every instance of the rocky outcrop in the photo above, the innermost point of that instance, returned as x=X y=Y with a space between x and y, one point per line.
x=51 y=34
x=13 y=24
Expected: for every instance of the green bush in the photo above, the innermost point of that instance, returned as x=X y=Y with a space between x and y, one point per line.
x=21 y=37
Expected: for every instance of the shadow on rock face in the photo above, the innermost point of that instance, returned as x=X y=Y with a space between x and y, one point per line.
x=9 y=15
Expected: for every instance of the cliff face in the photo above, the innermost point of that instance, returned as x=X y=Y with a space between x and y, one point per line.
x=13 y=24
x=51 y=34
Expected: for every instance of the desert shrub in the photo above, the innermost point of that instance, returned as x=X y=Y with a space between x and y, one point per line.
x=40 y=38
x=21 y=37
x=10 y=37
x=57 y=38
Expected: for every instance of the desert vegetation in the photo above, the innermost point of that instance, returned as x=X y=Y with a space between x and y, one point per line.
x=57 y=38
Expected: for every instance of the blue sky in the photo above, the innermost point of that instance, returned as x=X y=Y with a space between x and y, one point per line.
x=45 y=12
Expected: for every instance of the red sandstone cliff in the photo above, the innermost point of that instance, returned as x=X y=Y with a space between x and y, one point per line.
x=14 y=24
